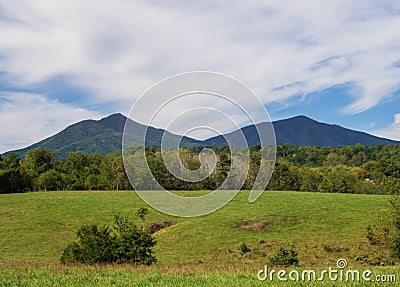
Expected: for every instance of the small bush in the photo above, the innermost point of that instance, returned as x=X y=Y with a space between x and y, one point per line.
x=142 y=212
x=123 y=242
x=395 y=204
x=371 y=236
x=327 y=248
x=243 y=248
x=375 y=259
x=330 y=249
x=284 y=257
x=379 y=234
x=395 y=247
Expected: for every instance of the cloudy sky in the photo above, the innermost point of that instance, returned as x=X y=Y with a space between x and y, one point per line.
x=65 y=61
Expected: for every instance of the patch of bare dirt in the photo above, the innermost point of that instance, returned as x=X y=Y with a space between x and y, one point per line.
x=267 y=221
x=160 y=225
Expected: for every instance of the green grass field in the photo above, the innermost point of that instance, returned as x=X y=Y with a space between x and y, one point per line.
x=202 y=251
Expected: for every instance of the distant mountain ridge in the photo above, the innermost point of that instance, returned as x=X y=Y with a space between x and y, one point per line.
x=105 y=136
x=90 y=136
x=304 y=131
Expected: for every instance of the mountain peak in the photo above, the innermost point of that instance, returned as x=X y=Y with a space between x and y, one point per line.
x=113 y=117
x=302 y=118
x=114 y=122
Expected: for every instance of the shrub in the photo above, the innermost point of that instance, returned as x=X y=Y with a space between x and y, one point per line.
x=327 y=248
x=330 y=249
x=379 y=234
x=395 y=204
x=395 y=242
x=243 y=248
x=375 y=259
x=141 y=213
x=284 y=257
x=122 y=242
x=395 y=247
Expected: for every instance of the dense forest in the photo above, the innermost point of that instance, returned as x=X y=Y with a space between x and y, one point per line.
x=348 y=169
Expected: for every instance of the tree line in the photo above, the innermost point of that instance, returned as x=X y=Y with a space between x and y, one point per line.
x=349 y=169
x=41 y=170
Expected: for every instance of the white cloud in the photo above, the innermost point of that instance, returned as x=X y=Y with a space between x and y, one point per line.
x=392 y=131
x=27 y=118
x=117 y=49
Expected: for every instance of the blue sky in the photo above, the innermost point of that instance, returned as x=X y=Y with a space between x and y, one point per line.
x=69 y=60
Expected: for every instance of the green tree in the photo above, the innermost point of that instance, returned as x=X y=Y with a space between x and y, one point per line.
x=49 y=180
x=12 y=161
x=39 y=160
x=112 y=173
x=14 y=180
x=92 y=182
x=333 y=159
x=310 y=179
x=284 y=176
x=339 y=179
x=36 y=162
x=76 y=169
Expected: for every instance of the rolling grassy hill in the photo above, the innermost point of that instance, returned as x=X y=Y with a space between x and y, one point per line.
x=36 y=227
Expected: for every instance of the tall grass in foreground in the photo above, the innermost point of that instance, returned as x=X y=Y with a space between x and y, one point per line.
x=130 y=276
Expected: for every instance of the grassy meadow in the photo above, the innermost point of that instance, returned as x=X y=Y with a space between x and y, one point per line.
x=203 y=251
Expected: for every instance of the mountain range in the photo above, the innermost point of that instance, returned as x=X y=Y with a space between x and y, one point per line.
x=105 y=136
